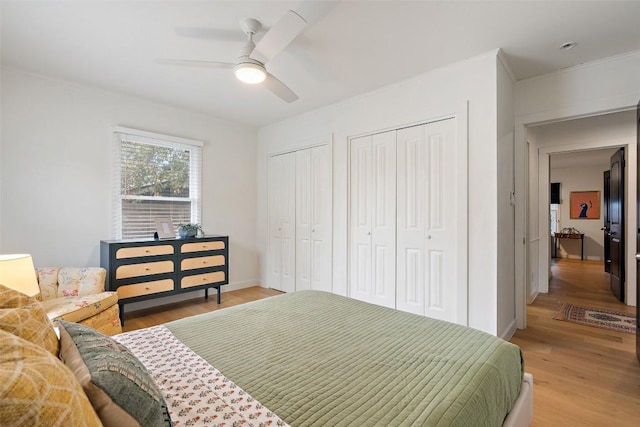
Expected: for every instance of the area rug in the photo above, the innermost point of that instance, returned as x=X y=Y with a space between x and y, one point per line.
x=597 y=317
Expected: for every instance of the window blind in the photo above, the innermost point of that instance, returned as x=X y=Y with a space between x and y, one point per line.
x=157 y=176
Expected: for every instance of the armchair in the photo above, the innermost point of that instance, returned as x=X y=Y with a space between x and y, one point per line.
x=77 y=295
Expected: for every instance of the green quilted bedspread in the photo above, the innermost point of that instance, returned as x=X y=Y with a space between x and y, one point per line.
x=318 y=359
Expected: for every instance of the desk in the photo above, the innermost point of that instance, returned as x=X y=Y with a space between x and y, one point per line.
x=559 y=236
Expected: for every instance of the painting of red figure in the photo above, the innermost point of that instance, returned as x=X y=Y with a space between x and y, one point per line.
x=585 y=205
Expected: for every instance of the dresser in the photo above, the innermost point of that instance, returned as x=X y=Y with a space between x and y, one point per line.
x=145 y=269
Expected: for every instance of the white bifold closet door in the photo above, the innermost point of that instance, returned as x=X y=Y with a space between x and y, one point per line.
x=300 y=205
x=313 y=219
x=426 y=227
x=282 y=222
x=372 y=257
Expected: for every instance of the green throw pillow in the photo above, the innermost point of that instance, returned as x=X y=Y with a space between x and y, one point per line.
x=118 y=386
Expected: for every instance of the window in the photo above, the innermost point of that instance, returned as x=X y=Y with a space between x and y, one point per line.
x=156 y=176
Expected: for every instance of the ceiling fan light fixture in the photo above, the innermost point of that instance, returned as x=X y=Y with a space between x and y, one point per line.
x=250 y=73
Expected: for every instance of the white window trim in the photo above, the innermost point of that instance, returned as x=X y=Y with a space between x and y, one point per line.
x=155 y=137
x=195 y=183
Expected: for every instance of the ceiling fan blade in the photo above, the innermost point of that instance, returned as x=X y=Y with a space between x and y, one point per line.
x=279 y=36
x=194 y=63
x=279 y=89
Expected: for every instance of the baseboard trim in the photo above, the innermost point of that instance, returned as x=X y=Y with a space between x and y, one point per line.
x=511 y=329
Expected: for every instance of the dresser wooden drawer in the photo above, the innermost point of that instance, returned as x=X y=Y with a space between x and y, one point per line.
x=202 y=262
x=130 y=291
x=143 y=269
x=202 y=246
x=202 y=279
x=140 y=251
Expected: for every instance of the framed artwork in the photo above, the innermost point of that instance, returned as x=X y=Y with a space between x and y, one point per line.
x=584 y=205
x=164 y=227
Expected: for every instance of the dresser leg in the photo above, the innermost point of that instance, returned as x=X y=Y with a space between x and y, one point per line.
x=218 y=294
x=121 y=306
x=206 y=293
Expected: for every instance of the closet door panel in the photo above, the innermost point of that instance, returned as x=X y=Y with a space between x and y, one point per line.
x=274 y=261
x=383 y=232
x=303 y=220
x=427 y=231
x=320 y=218
x=442 y=231
x=288 y=218
x=360 y=220
x=411 y=226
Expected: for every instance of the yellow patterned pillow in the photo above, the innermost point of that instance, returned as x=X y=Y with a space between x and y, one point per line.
x=36 y=389
x=24 y=317
x=10 y=298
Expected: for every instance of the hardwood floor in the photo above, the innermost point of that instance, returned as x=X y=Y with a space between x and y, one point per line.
x=162 y=314
x=583 y=376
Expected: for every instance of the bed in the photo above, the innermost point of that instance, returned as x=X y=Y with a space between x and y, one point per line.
x=312 y=358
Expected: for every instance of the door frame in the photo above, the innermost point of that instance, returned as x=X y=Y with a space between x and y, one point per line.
x=522 y=237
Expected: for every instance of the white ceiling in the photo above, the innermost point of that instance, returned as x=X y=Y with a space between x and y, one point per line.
x=356 y=46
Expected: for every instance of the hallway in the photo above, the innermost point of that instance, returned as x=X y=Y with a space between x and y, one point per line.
x=584 y=376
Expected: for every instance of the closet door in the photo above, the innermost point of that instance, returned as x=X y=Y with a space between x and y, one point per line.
x=372 y=219
x=313 y=219
x=321 y=218
x=303 y=219
x=282 y=208
x=426 y=229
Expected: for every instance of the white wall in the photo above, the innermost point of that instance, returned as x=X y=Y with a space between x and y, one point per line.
x=56 y=170
x=589 y=89
x=442 y=92
x=506 y=297
x=1 y=179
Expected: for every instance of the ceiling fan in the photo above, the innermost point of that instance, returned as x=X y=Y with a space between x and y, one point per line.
x=250 y=64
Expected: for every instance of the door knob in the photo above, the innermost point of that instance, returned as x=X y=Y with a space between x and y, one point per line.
x=369 y=234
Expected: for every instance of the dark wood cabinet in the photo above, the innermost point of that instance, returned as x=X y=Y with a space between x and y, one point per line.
x=145 y=269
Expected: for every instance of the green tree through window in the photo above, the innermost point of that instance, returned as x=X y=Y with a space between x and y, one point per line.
x=149 y=170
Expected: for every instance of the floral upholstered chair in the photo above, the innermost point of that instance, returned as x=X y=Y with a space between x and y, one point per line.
x=77 y=295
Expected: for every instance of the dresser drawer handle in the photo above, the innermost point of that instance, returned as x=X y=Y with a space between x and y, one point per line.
x=147 y=269
x=147 y=288
x=204 y=262
x=146 y=251
x=204 y=279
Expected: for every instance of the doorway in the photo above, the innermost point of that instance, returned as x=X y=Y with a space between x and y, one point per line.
x=574 y=145
x=579 y=175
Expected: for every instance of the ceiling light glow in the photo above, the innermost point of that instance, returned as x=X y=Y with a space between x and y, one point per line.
x=250 y=73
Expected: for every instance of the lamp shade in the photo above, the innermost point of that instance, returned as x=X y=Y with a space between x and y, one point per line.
x=17 y=272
